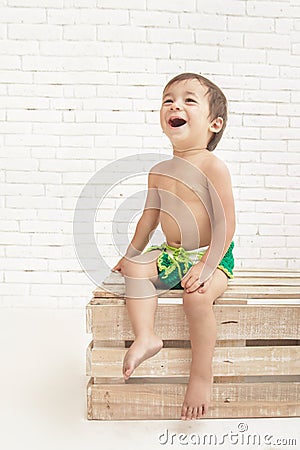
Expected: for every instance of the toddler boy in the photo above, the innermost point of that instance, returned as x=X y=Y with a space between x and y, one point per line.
x=191 y=197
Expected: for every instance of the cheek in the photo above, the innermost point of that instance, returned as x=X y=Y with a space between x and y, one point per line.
x=162 y=121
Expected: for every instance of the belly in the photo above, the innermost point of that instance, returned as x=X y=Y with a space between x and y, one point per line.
x=189 y=229
x=184 y=219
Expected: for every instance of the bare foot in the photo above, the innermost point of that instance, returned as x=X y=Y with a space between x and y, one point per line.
x=197 y=398
x=141 y=349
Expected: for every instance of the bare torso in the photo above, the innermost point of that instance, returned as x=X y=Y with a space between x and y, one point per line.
x=185 y=204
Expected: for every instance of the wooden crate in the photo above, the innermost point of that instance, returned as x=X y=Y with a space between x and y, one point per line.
x=256 y=362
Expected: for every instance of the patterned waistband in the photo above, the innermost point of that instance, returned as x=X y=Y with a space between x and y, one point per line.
x=177 y=250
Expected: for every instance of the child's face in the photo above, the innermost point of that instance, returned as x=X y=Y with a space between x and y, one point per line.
x=184 y=115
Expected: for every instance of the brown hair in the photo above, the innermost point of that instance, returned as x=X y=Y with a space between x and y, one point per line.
x=216 y=100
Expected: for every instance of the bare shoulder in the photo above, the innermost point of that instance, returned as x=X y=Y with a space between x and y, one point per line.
x=214 y=167
x=161 y=168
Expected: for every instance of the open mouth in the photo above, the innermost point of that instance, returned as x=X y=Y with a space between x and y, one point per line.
x=176 y=122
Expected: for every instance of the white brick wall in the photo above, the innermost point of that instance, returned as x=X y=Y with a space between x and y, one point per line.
x=80 y=85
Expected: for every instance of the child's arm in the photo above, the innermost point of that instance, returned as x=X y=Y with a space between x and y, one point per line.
x=220 y=188
x=223 y=225
x=145 y=226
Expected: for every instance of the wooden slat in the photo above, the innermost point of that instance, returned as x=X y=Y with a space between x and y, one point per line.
x=218 y=301
x=236 y=291
x=110 y=322
x=175 y=362
x=254 y=272
x=114 y=282
x=240 y=275
x=176 y=343
x=229 y=343
x=265 y=281
x=238 y=281
x=88 y=359
x=164 y=401
x=163 y=300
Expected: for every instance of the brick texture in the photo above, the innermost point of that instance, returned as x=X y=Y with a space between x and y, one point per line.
x=80 y=86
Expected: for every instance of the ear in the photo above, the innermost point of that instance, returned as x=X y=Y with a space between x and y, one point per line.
x=216 y=125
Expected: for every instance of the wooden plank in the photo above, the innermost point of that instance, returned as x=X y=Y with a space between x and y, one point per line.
x=88 y=359
x=250 y=272
x=230 y=343
x=241 y=275
x=227 y=361
x=111 y=322
x=218 y=301
x=251 y=291
x=187 y=344
x=236 y=282
x=164 y=300
x=88 y=317
x=177 y=343
x=266 y=281
x=164 y=401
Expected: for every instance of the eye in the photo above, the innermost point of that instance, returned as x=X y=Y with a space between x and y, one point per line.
x=189 y=100
x=167 y=101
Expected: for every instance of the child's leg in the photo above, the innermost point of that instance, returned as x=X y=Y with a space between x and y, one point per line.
x=141 y=302
x=202 y=325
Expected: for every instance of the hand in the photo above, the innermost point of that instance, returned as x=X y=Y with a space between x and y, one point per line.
x=190 y=282
x=119 y=267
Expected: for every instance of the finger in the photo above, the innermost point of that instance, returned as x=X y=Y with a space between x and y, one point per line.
x=189 y=283
x=187 y=275
x=206 y=285
x=202 y=288
x=185 y=281
x=194 y=287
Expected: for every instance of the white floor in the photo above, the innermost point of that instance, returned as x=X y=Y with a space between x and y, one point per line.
x=42 y=397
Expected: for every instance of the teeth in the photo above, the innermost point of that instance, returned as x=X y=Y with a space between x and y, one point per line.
x=177 y=122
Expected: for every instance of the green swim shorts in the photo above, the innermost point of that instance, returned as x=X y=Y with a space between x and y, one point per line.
x=173 y=263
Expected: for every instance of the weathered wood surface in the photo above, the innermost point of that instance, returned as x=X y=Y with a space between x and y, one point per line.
x=178 y=300
x=246 y=284
x=242 y=276
x=238 y=292
x=174 y=362
x=157 y=387
x=164 y=401
x=111 y=322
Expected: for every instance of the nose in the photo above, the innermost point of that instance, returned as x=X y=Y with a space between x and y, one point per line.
x=175 y=106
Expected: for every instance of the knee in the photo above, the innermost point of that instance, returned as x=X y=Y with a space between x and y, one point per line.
x=194 y=302
x=129 y=268
x=135 y=268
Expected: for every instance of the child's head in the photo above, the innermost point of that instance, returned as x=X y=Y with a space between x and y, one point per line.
x=217 y=103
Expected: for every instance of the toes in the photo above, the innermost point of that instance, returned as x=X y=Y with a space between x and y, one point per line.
x=183 y=412
x=126 y=374
x=126 y=370
x=202 y=411
x=205 y=409
x=199 y=412
x=194 y=413
x=189 y=412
